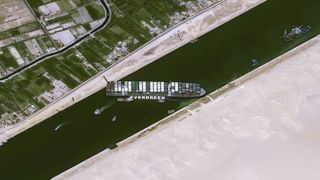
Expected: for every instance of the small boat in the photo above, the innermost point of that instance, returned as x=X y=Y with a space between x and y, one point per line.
x=254 y=62
x=97 y=112
x=114 y=118
x=170 y=111
x=61 y=125
x=296 y=32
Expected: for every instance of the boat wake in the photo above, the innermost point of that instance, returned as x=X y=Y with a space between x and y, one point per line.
x=103 y=108
x=62 y=125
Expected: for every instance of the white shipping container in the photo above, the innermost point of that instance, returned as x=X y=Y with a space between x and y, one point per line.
x=151 y=86
x=155 y=87
x=119 y=87
x=140 y=86
x=144 y=86
x=130 y=86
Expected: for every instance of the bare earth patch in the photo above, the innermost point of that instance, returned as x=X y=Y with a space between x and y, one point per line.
x=14 y=13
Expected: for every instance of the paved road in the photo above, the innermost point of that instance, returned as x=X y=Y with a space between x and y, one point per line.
x=65 y=48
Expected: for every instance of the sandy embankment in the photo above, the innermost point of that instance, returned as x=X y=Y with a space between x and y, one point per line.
x=262 y=126
x=164 y=44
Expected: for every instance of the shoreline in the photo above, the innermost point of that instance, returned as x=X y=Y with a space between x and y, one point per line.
x=172 y=39
x=92 y=165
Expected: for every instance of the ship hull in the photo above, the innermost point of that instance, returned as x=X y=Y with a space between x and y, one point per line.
x=129 y=91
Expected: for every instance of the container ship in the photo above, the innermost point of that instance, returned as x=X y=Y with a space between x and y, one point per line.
x=127 y=91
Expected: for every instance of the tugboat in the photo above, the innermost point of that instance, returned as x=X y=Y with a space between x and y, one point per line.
x=61 y=125
x=254 y=62
x=100 y=110
x=114 y=118
x=128 y=91
x=97 y=112
x=296 y=32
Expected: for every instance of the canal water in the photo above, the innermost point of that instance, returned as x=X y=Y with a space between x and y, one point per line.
x=217 y=58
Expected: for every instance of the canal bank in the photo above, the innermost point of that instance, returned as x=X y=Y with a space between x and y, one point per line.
x=216 y=59
x=214 y=128
x=174 y=38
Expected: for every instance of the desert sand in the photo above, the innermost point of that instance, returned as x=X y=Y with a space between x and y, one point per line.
x=265 y=125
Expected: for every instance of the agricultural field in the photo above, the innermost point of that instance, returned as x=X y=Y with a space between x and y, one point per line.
x=10 y=11
x=31 y=29
x=133 y=23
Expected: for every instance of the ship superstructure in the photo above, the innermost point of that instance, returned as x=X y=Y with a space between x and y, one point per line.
x=153 y=90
